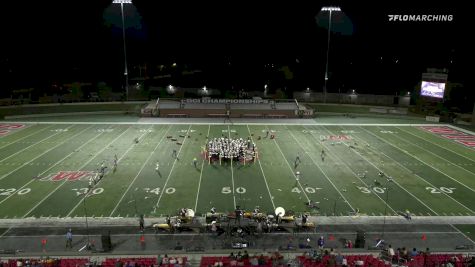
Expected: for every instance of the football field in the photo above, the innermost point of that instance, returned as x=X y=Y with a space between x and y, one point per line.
x=45 y=170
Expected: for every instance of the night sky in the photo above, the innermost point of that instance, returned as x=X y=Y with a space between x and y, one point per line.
x=235 y=43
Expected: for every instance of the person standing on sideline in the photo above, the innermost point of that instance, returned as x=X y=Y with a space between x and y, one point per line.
x=141 y=223
x=157 y=168
x=69 y=239
x=195 y=161
x=321 y=242
x=174 y=154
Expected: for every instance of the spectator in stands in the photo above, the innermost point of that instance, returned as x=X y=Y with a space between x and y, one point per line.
x=245 y=256
x=232 y=256
x=165 y=259
x=261 y=260
x=414 y=252
x=172 y=261
x=391 y=253
x=159 y=260
x=331 y=261
x=253 y=261
x=339 y=259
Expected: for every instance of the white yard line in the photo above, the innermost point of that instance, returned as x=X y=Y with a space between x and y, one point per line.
x=413 y=156
x=41 y=141
x=39 y=131
x=348 y=167
x=173 y=166
x=422 y=179
x=140 y=171
x=262 y=171
x=52 y=166
x=118 y=160
x=394 y=181
x=87 y=162
x=201 y=172
x=432 y=152
x=40 y=155
x=321 y=170
x=291 y=170
x=446 y=148
x=232 y=172
x=458 y=231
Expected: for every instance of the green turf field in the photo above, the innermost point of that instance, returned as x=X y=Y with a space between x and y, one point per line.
x=45 y=170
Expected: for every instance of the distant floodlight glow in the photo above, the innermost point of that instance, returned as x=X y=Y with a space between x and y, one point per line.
x=174 y=64
x=122 y=2
x=265 y=86
x=308 y=88
x=331 y=8
x=204 y=88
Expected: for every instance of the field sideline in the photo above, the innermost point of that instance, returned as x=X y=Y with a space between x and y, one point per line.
x=45 y=168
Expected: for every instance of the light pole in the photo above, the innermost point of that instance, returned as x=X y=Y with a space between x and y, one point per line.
x=126 y=73
x=329 y=9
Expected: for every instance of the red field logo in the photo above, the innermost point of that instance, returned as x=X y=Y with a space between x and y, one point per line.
x=6 y=128
x=69 y=176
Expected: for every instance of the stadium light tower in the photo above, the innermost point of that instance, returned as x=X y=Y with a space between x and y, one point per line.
x=126 y=74
x=329 y=9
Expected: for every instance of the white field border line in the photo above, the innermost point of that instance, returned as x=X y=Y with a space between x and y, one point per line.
x=321 y=170
x=348 y=167
x=19 y=139
x=232 y=171
x=413 y=156
x=418 y=176
x=462 y=233
x=262 y=171
x=394 y=180
x=431 y=151
x=41 y=141
x=118 y=160
x=460 y=129
x=291 y=170
x=260 y=123
x=439 y=137
x=40 y=155
x=201 y=172
x=62 y=183
x=52 y=166
x=421 y=178
x=140 y=171
x=173 y=166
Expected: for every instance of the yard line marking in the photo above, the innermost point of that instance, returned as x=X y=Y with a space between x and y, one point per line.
x=394 y=181
x=41 y=130
x=346 y=164
x=413 y=156
x=173 y=165
x=232 y=172
x=321 y=170
x=40 y=155
x=446 y=148
x=449 y=162
x=201 y=172
x=118 y=161
x=291 y=170
x=421 y=178
x=262 y=171
x=42 y=140
x=87 y=162
x=462 y=233
x=32 y=180
x=140 y=171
